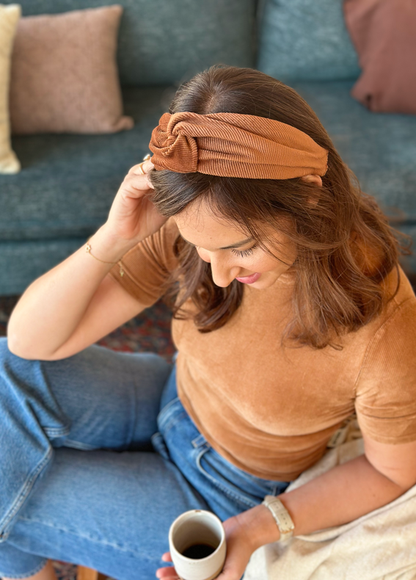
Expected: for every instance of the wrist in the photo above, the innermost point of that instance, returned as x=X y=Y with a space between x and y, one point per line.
x=261 y=525
x=108 y=247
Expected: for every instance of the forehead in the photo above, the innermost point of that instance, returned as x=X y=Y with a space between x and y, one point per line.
x=200 y=226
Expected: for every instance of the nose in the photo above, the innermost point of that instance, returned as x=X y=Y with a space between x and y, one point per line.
x=222 y=274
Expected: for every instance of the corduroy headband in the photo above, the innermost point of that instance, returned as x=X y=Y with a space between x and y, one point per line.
x=234 y=145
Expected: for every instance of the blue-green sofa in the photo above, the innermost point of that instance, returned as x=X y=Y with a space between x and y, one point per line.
x=67 y=182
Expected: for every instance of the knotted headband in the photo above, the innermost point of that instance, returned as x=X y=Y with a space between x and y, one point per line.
x=234 y=145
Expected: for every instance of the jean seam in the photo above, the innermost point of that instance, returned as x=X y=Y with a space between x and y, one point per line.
x=199 y=441
x=56 y=431
x=134 y=421
x=219 y=485
x=159 y=445
x=23 y=493
x=37 y=569
x=76 y=533
x=172 y=422
x=79 y=445
x=277 y=491
x=167 y=417
x=272 y=485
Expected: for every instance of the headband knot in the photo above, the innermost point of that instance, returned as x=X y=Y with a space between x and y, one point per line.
x=174 y=146
x=234 y=145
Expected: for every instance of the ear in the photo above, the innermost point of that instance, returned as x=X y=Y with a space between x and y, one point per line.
x=313 y=178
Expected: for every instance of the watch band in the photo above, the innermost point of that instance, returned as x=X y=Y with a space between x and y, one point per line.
x=281 y=515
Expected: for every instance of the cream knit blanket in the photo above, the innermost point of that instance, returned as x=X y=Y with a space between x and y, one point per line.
x=378 y=546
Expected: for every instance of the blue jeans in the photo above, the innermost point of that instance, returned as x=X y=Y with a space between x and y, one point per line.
x=97 y=458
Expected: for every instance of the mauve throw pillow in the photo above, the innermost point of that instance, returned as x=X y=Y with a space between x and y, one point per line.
x=64 y=74
x=384 y=35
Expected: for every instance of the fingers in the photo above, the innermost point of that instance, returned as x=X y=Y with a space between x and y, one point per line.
x=168 y=573
x=135 y=183
x=145 y=167
x=138 y=177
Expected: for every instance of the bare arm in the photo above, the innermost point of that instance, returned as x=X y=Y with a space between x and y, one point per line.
x=353 y=489
x=77 y=302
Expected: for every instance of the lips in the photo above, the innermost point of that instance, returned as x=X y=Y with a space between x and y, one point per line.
x=249 y=279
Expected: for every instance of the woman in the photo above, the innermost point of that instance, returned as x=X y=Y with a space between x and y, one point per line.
x=291 y=313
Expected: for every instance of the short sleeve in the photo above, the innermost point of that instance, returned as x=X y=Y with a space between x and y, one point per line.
x=147 y=266
x=386 y=386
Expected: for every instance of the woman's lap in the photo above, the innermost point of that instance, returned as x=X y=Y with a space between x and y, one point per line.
x=92 y=474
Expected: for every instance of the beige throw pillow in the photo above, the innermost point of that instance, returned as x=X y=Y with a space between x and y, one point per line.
x=64 y=74
x=9 y=17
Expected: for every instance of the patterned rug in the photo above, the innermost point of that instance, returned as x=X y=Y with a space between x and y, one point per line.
x=150 y=331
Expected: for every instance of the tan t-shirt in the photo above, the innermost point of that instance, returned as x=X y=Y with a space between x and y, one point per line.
x=271 y=410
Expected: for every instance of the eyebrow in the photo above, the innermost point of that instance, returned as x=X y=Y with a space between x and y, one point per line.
x=236 y=245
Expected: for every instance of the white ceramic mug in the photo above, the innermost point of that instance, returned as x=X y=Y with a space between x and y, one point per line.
x=197 y=545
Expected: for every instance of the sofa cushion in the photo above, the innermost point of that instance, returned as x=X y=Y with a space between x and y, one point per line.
x=305 y=40
x=68 y=182
x=64 y=77
x=9 y=17
x=168 y=41
x=380 y=149
x=24 y=261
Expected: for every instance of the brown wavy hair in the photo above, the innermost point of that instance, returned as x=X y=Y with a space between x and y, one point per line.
x=345 y=246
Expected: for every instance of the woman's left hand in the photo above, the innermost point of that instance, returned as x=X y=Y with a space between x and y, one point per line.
x=242 y=540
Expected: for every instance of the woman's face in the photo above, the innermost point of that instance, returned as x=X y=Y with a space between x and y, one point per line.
x=233 y=254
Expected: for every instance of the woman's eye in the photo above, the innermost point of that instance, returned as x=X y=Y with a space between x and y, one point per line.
x=244 y=253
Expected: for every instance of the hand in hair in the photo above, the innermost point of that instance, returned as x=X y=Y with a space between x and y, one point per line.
x=133 y=216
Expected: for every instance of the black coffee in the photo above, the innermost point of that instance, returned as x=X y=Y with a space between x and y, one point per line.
x=198 y=551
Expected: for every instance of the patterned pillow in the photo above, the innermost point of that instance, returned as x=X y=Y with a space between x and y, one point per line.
x=64 y=75
x=9 y=17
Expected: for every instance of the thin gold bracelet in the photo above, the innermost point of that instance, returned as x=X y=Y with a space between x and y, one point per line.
x=88 y=250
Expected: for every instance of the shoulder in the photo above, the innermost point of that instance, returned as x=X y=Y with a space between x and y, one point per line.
x=390 y=345
x=398 y=319
x=389 y=360
x=386 y=385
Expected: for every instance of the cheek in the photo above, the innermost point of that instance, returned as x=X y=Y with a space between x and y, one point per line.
x=203 y=255
x=265 y=263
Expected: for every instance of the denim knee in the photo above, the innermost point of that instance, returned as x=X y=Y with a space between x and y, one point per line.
x=25 y=446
